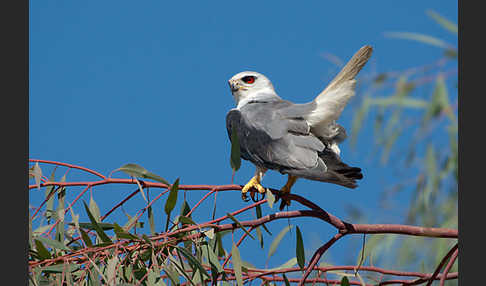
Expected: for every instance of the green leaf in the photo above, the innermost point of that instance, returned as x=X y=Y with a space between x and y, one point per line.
x=448 y=25
x=53 y=243
x=90 y=226
x=290 y=263
x=236 y=259
x=219 y=243
x=186 y=220
x=121 y=233
x=95 y=210
x=49 y=190
x=60 y=268
x=299 y=250
x=170 y=271
x=425 y=39
x=37 y=173
x=235 y=159
x=42 y=250
x=239 y=225
x=60 y=212
x=211 y=257
x=193 y=261
x=399 y=101
x=259 y=236
x=135 y=170
x=258 y=210
x=98 y=229
x=85 y=238
x=344 y=281
x=276 y=241
x=172 y=199
x=185 y=209
x=287 y=283
x=110 y=271
x=270 y=198
x=151 y=220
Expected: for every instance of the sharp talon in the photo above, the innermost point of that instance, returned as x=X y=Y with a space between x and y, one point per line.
x=251 y=186
x=283 y=203
x=244 y=197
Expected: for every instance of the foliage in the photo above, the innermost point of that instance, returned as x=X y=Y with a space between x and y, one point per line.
x=69 y=248
x=414 y=115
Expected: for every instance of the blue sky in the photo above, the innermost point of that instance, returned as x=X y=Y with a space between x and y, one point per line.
x=114 y=82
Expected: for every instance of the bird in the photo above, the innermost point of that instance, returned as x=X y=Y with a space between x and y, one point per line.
x=300 y=140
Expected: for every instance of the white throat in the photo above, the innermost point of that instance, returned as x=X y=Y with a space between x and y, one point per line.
x=262 y=94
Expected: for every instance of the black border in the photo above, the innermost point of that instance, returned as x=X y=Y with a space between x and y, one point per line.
x=15 y=132
x=472 y=79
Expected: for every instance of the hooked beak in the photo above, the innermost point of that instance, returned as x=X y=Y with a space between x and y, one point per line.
x=234 y=86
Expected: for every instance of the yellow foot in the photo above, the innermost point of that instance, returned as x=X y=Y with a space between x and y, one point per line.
x=285 y=190
x=253 y=183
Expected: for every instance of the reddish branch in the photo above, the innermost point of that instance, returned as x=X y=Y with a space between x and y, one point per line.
x=169 y=238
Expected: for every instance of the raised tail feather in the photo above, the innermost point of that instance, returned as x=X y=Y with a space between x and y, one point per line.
x=337 y=172
x=340 y=173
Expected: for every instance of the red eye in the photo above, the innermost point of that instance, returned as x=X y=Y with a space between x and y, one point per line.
x=248 y=79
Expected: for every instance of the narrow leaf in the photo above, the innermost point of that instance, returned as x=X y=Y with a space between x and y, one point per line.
x=151 y=220
x=448 y=25
x=239 y=225
x=60 y=268
x=37 y=173
x=95 y=210
x=53 y=243
x=258 y=210
x=276 y=241
x=110 y=270
x=42 y=250
x=85 y=238
x=98 y=229
x=270 y=198
x=186 y=220
x=236 y=259
x=50 y=202
x=172 y=199
x=426 y=39
x=259 y=236
x=287 y=283
x=121 y=233
x=136 y=170
x=299 y=250
x=193 y=260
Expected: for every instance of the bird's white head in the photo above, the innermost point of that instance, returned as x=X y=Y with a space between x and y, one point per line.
x=248 y=85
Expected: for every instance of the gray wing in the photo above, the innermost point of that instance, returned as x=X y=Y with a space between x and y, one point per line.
x=272 y=138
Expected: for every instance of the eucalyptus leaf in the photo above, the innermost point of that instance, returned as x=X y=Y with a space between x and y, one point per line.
x=299 y=249
x=53 y=243
x=236 y=259
x=172 y=199
x=42 y=250
x=445 y=23
x=239 y=225
x=98 y=229
x=276 y=241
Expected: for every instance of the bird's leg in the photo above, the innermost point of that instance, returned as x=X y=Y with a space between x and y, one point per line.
x=286 y=190
x=254 y=183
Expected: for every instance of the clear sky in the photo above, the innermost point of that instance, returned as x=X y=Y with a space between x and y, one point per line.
x=116 y=82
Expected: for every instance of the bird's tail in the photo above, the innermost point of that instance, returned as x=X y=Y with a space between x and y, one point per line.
x=337 y=171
